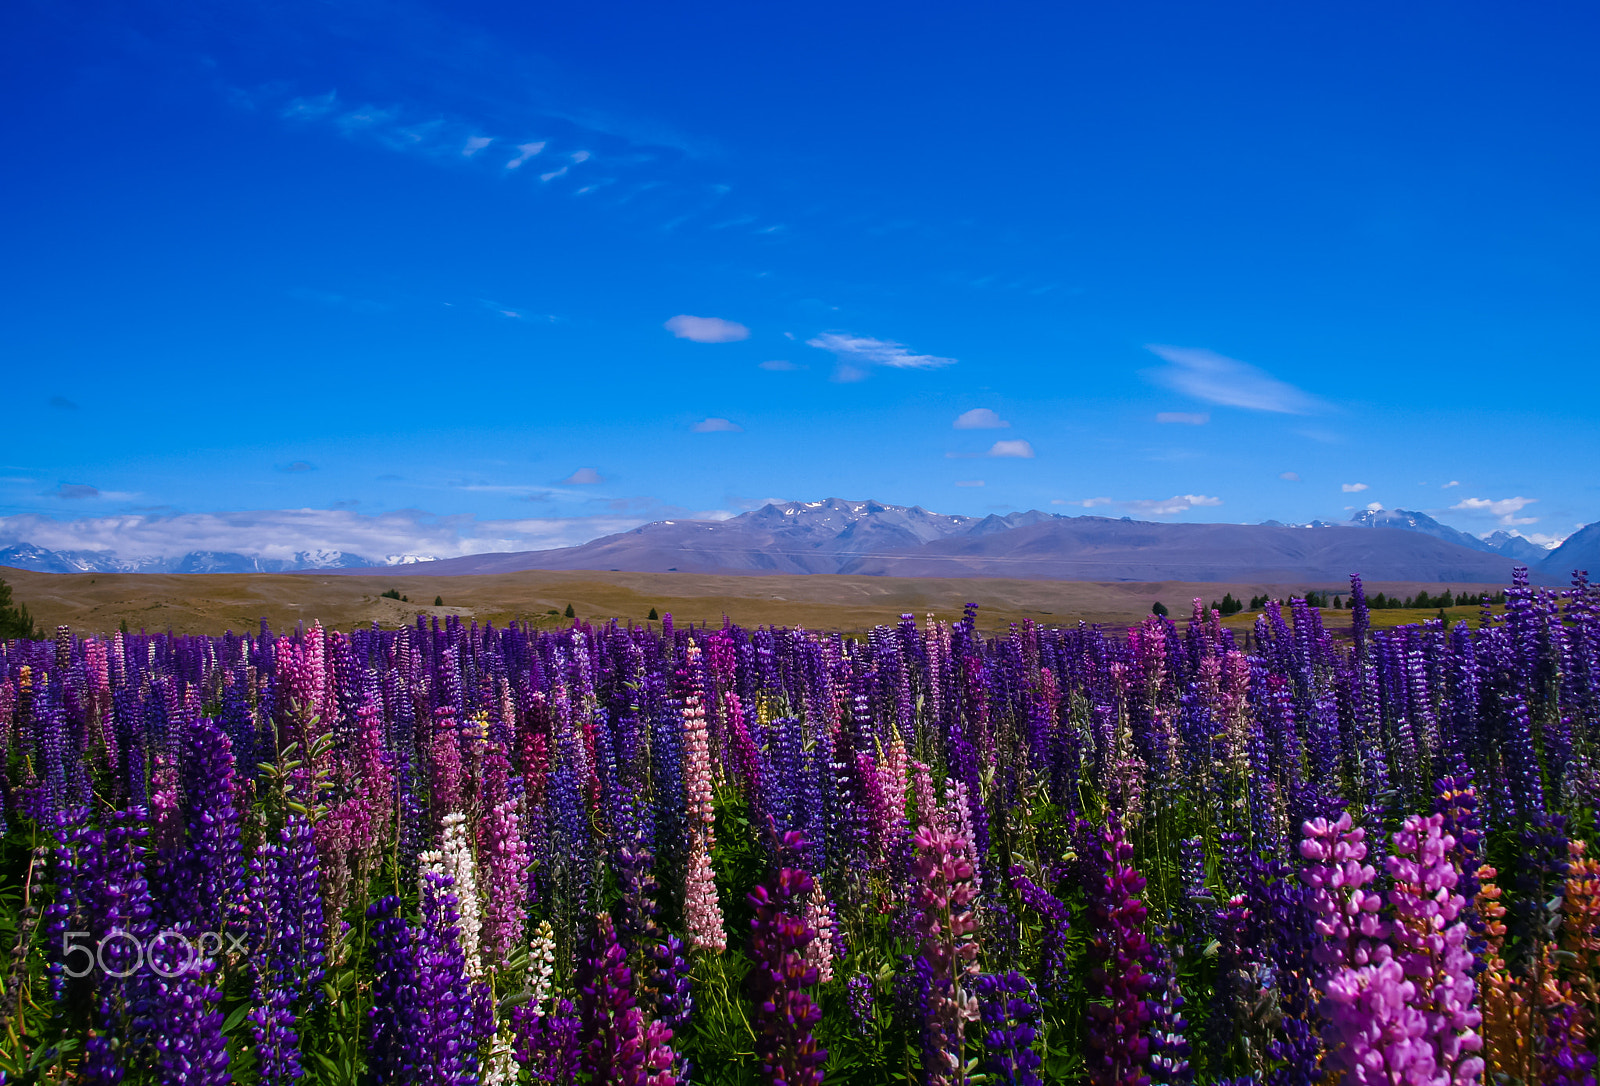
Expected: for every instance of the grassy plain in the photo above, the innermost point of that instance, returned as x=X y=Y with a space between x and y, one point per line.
x=212 y=603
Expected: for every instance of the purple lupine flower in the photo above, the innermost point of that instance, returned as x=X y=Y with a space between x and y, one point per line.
x=1009 y=1006
x=778 y=981
x=548 y=1046
x=447 y=1026
x=859 y=989
x=619 y=1045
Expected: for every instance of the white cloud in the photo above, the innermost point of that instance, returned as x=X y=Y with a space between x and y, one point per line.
x=1166 y=507
x=780 y=365
x=525 y=151
x=1504 y=510
x=283 y=533
x=858 y=354
x=1087 y=503
x=1018 y=449
x=1451 y=483
x=553 y=174
x=1373 y=507
x=1289 y=476
x=1217 y=379
x=1186 y=418
x=980 y=418
x=1353 y=488
x=584 y=477
x=706 y=329
x=969 y=482
x=1547 y=540
x=475 y=144
x=717 y=426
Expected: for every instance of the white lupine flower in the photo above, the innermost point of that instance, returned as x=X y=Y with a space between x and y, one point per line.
x=542 y=957
x=454 y=858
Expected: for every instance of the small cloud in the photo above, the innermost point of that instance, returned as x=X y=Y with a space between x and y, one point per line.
x=1087 y=503
x=1353 y=488
x=1184 y=418
x=717 y=426
x=1178 y=503
x=63 y=403
x=295 y=467
x=75 y=491
x=980 y=418
x=389 y=477
x=1289 y=476
x=857 y=354
x=1505 y=510
x=1019 y=449
x=1451 y=483
x=345 y=503
x=553 y=174
x=1214 y=378
x=780 y=365
x=584 y=477
x=1374 y=507
x=969 y=482
x=581 y=156
x=475 y=144
x=706 y=329
x=525 y=151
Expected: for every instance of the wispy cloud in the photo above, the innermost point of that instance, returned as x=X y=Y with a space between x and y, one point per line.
x=706 y=329
x=980 y=418
x=1289 y=476
x=716 y=426
x=1155 y=507
x=780 y=365
x=1166 y=507
x=584 y=477
x=857 y=355
x=296 y=467
x=1451 y=483
x=1017 y=449
x=969 y=482
x=62 y=403
x=1353 y=488
x=1504 y=510
x=525 y=151
x=1214 y=378
x=73 y=492
x=1183 y=418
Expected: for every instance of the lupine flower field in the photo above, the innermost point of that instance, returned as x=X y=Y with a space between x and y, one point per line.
x=459 y=854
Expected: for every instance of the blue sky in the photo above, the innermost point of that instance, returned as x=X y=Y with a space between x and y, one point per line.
x=404 y=278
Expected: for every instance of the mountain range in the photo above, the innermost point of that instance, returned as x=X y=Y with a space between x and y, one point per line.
x=27 y=556
x=876 y=539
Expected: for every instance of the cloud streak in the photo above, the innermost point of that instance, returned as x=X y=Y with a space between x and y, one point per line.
x=716 y=426
x=1214 y=378
x=858 y=355
x=1154 y=507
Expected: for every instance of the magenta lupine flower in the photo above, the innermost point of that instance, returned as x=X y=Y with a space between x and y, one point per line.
x=944 y=873
x=1431 y=944
x=702 y=910
x=1345 y=914
x=503 y=855
x=1119 y=1014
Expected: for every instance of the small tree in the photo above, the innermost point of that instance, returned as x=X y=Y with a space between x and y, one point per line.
x=15 y=621
x=1158 y=608
x=392 y=594
x=438 y=601
x=570 y=613
x=652 y=616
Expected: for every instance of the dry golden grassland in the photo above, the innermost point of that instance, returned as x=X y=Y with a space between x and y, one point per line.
x=212 y=603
